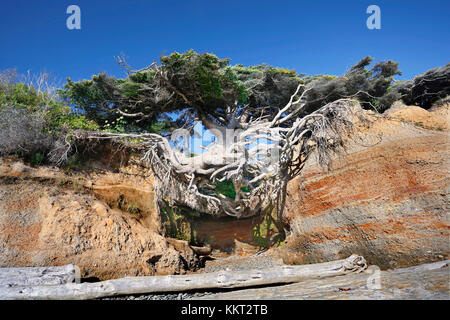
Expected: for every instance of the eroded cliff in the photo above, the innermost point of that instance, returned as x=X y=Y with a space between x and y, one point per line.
x=102 y=220
x=386 y=198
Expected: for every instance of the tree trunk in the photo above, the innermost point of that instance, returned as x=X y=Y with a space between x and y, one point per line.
x=221 y=279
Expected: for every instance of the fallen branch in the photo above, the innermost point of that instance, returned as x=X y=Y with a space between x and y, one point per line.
x=221 y=279
x=15 y=277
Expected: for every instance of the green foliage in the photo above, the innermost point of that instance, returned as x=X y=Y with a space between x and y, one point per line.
x=129 y=89
x=210 y=74
x=20 y=95
x=24 y=96
x=176 y=223
x=240 y=69
x=126 y=205
x=73 y=162
x=37 y=159
x=208 y=80
x=160 y=127
x=229 y=79
x=289 y=73
x=86 y=95
x=143 y=77
x=197 y=83
x=374 y=87
x=227 y=189
x=75 y=121
x=42 y=119
x=118 y=125
x=268 y=233
x=77 y=184
x=427 y=88
x=203 y=85
x=61 y=120
x=59 y=117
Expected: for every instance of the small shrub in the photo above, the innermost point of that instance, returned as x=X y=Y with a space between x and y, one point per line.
x=37 y=159
x=128 y=206
x=23 y=133
x=35 y=123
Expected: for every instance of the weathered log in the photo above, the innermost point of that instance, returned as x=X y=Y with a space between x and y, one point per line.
x=14 y=277
x=202 y=251
x=424 y=282
x=221 y=279
x=429 y=266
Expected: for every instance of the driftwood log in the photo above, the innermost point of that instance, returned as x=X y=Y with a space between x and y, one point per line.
x=202 y=251
x=42 y=276
x=221 y=279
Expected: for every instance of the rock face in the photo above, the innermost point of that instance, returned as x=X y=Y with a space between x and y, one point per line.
x=385 y=199
x=105 y=223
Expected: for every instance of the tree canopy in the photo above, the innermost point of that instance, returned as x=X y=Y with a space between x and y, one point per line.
x=195 y=86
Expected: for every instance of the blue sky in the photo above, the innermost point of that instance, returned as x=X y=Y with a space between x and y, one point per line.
x=312 y=37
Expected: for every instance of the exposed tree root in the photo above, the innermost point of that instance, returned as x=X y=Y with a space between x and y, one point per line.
x=259 y=156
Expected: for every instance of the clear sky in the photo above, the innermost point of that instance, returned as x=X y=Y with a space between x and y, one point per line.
x=312 y=37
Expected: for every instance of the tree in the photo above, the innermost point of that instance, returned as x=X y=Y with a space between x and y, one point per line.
x=426 y=88
x=293 y=114
x=204 y=87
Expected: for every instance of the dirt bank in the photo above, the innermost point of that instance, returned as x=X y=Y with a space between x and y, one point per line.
x=386 y=199
x=105 y=222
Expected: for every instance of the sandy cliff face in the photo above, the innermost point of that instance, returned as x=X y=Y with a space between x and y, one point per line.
x=386 y=199
x=103 y=222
